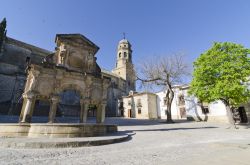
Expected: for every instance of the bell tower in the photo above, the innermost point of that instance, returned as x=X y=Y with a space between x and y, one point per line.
x=124 y=66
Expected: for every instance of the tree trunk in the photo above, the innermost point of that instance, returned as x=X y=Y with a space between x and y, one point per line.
x=170 y=97
x=230 y=115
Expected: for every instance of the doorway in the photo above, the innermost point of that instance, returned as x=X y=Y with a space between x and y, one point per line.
x=243 y=115
x=240 y=115
x=122 y=113
x=129 y=113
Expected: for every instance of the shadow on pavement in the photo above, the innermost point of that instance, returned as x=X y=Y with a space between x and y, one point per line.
x=109 y=120
x=139 y=122
x=174 y=129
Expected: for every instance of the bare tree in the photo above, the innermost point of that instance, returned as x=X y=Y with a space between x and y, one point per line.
x=166 y=72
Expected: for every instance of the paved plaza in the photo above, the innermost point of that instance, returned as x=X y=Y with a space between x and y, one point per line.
x=152 y=142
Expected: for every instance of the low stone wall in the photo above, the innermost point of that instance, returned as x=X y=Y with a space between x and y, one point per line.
x=56 y=130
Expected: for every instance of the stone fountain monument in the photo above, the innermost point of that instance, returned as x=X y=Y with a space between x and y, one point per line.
x=72 y=67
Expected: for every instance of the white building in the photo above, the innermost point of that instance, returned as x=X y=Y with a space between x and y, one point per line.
x=189 y=107
x=152 y=106
x=178 y=105
x=140 y=105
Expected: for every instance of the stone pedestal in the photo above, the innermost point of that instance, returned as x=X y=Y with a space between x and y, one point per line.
x=53 y=108
x=100 y=116
x=27 y=108
x=84 y=110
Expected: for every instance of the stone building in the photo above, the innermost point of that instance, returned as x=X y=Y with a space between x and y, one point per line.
x=140 y=105
x=71 y=67
x=14 y=58
x=122 y=78
x=17 y=55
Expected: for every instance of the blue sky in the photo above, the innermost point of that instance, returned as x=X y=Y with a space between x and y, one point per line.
x=154 y=27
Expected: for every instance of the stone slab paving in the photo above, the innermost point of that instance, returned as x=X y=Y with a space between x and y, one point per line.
x=182 y=143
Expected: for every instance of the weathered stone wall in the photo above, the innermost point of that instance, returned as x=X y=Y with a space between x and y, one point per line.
x=12 y=73
x=13 y=78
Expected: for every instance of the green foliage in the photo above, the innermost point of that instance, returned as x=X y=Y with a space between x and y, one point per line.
x=222 y=73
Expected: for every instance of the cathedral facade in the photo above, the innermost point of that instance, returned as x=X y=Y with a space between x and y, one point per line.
x=16 y=56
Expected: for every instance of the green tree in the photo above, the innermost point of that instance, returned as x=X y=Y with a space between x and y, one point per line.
x=222 y=73
x=2 y=33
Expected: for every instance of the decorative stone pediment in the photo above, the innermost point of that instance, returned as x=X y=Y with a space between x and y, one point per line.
x=72 y=67
x=74 y=52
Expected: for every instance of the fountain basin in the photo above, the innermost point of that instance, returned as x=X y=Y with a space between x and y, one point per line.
x=55 y=130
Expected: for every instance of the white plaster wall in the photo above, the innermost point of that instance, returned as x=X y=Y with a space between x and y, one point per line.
x=126 y=106
x=148 y=108
x=161 y=108
x=144 y=109
x=217 y=110
x=152 y=106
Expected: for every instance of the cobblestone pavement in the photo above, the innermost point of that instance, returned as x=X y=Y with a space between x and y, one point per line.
x=153 y=142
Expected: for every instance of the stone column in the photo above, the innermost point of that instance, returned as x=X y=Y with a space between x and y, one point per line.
x=53 y=108
x=100 y=116
x=27 y=108
x=84 y=110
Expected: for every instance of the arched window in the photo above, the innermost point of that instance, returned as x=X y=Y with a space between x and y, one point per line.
x=120 y=55
x=28 y=60
x=125 y=54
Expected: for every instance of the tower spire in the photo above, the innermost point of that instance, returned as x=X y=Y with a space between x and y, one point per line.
x=124 y=66
x=124 y=35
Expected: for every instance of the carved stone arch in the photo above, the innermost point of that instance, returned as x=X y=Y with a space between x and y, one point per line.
x=55 y=77
x=76 y=87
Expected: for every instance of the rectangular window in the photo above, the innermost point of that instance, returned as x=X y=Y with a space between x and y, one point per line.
x=139 y=110
x=139 y=103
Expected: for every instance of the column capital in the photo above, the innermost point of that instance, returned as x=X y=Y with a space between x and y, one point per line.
x=84 y=101
x=104 y=102
x=55 y=99
x=29 y=95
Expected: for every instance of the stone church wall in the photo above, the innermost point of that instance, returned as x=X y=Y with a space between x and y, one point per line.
x=12 y=73
x=13 y=77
